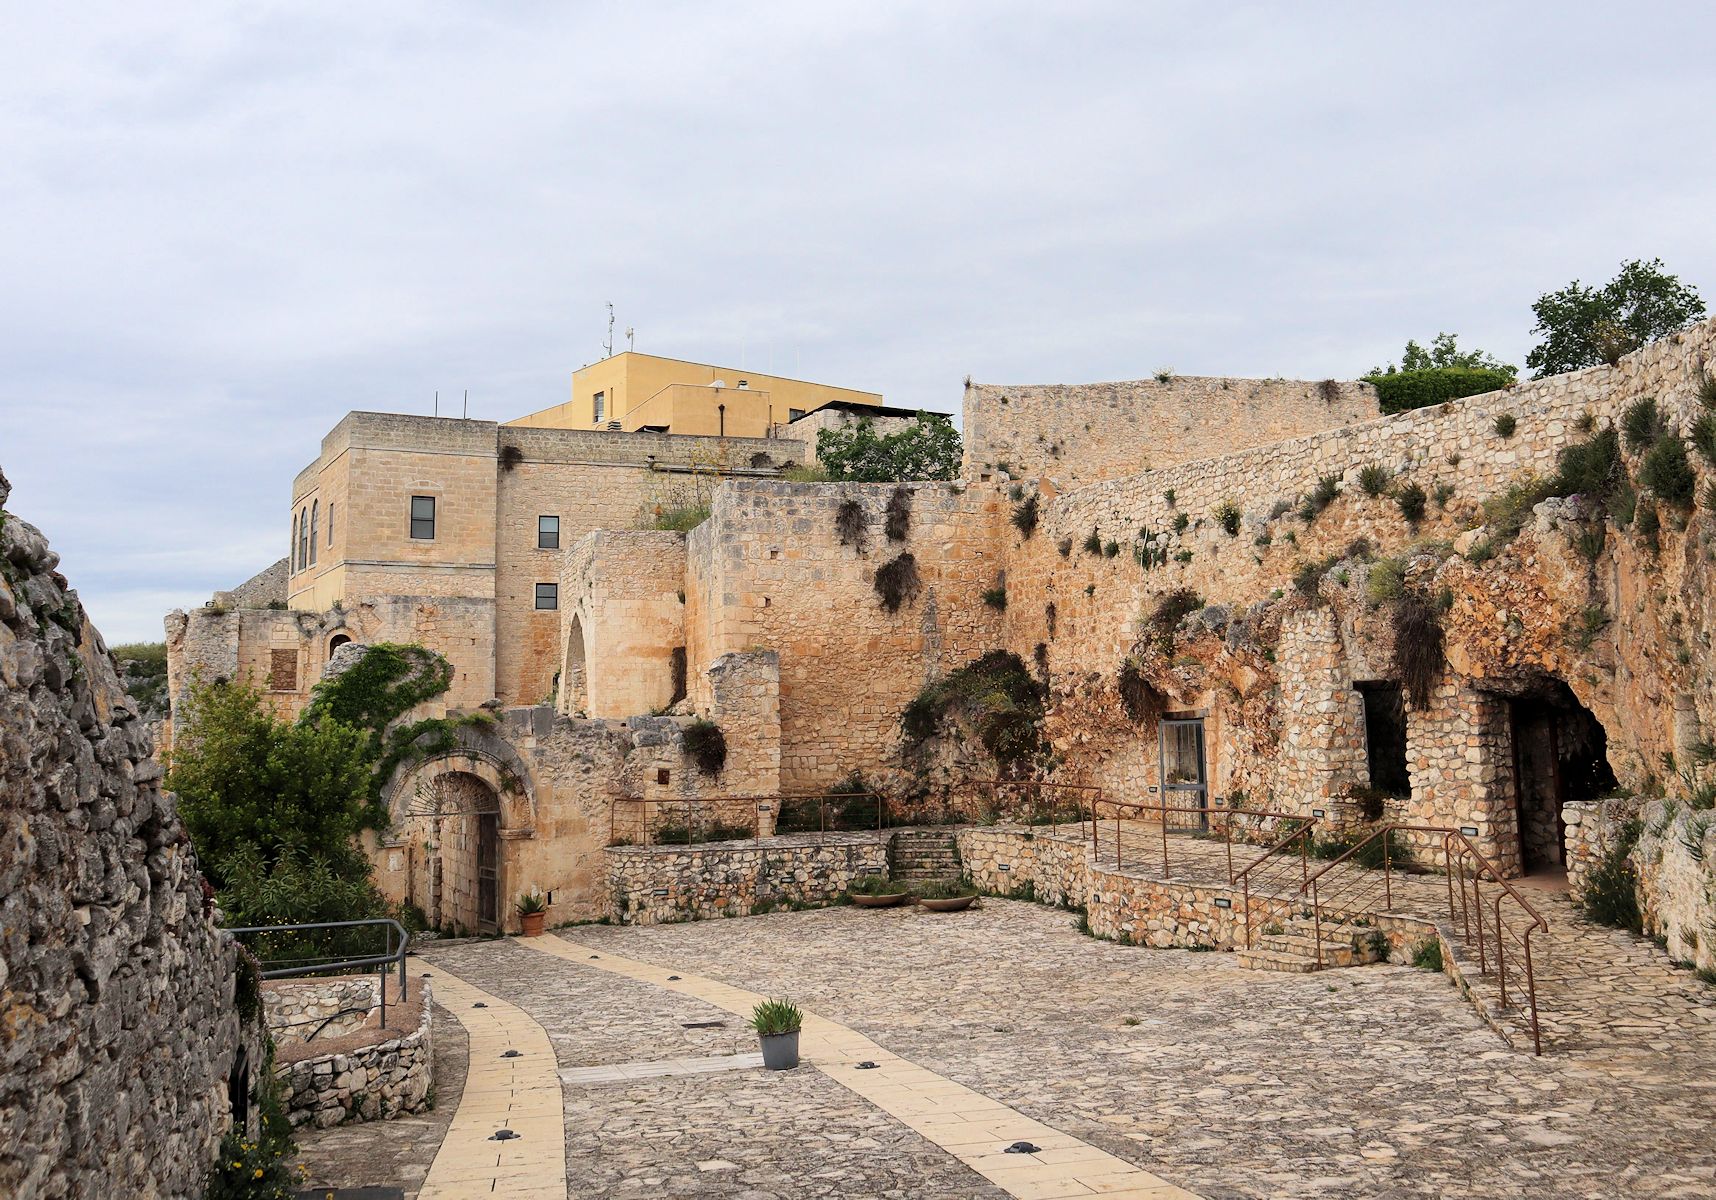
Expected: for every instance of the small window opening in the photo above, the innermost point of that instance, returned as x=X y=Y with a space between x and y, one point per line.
x=423 y=518
x=548 y=533
x=1385 y=738
x=548 y=595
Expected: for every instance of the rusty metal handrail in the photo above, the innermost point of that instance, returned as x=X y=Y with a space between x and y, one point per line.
x=1262 y=864
x=1455 y=869
x=1079 y=789
x=1164 y=809
x=760 y=804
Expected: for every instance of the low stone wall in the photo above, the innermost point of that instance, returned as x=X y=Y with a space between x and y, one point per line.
x=651 y=885
x=1676 y=863
x=323 y=1009
x=1022 y=861
x=358 y=1081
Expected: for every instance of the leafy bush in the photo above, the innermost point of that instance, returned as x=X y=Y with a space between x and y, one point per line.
x=1666 y=472
x=1592 y=468
x=1411 y=499
x=1641 y=423
x=1227 y=515
x=1506 y=513
x=928 y=448
x=301 y=887
x=1373 y=479
x=874 y=885
x=1611 y=891
x=897 y=581
x=773 y=1017
x=996 y=693
x=705 y=745
x=1025 y=516
x=1582 y=326
x=1427 y=955
x=1505 y=424
x=1405 y=390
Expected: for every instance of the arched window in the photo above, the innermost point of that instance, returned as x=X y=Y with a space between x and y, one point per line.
x=303 y=538
x=315 y=522
x=335 y=642
x=292 y=546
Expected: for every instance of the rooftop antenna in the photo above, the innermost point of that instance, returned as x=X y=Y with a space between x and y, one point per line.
x=608 y=346
x=466 y=415
x=437 y=403
x=631 y=335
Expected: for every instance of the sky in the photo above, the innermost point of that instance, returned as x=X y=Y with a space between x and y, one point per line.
x=224 y=226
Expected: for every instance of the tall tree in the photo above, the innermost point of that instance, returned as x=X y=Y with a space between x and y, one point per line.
x=928 y=448
x=1444 y=351
x=1582 y=327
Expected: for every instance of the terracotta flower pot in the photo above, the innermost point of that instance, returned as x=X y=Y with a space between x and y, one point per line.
x=879 y=901
x=950 y=904
x=531 y=923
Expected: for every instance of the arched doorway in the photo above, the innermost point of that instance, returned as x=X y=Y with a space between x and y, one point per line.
x=335 y=642
x=1560 y=755
x=455 y=818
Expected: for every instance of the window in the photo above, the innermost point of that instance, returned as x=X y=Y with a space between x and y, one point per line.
x=601 y=405
x=282 y=670
x=423 y=518
x=330 y=522
x=335 y=642
x=548 y=533
x=1385 y=738
x=292 y=546
x=315 y=521
x=303 y=538
x=794 y=414
x=548 y=595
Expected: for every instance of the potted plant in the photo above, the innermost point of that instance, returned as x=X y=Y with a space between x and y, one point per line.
x=532 y=909
x=876 y=891
x=777 y=1023
x=947 y=897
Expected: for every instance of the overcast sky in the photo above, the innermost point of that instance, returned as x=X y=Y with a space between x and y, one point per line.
x=222 y=229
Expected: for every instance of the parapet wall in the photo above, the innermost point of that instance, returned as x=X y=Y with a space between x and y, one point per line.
x=1077 y=434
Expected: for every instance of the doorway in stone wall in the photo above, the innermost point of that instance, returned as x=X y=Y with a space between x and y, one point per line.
x=488 y=873
x=1560 y=755
x=1183 y=772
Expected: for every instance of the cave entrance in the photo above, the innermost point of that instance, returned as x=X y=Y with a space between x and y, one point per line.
x=1560 y=754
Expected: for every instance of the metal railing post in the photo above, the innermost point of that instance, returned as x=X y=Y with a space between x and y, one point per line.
x=1387 y=869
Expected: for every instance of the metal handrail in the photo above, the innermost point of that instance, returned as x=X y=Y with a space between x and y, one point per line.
x=760 y=804
x=392 y=955
x=1301 y=834
x=1079 y=789
x=1455 y=870
x=1163 y=809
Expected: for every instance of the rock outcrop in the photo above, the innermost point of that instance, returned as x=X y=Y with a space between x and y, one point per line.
x=118 y=1023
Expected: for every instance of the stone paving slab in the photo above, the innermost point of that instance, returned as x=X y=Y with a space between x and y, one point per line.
x=576 y=1076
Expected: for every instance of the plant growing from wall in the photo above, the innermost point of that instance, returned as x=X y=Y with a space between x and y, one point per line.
x=897 y=517
x=510 y=457
x=1093 y=543
x=1666 y=472
x=1611 y=890
x=995 y=695
x=1419 y=654
x=1064 y=547
x=996 y=597
x=1181 y=521
x=1373 y=479
x=705 y=745
x=1025 y=516
x=1704 y=436
x=1410 y=499
x=1505 y=424
x=1143 y=703
x=1227 y=515
x=1163 y=623
x=851 y=525
x=680 y=518
x=1050 y=617
x=1110 y=548
x=1648 y=525
x=1641 y=423
x=897 y=581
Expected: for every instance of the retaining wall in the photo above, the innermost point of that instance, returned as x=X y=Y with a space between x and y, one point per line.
x=372 y=1082
x=652 y=885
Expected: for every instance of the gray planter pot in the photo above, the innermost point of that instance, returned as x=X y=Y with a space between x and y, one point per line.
x=780 y=1050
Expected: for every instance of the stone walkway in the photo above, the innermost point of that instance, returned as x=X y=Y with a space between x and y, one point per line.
x=1374 y=1081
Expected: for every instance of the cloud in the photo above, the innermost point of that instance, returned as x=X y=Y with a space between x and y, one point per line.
x=227 y=227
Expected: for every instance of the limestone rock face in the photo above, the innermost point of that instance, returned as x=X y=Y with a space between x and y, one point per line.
x=117 y=1021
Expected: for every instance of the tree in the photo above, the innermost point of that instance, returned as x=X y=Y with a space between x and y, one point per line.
x=928 y=448
x=1582 y=327
x=1444 y=352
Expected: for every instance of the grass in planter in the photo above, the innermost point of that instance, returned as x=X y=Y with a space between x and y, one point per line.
x=875 y=885
x=1427 y=955
x=950 y=890
x=773 y=1017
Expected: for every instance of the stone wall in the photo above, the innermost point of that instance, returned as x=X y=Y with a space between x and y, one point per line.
x=1675 y=863
x=652 y=885
x=1076 y=434
x=300 y=1010
x=622 y=623
x=116 y=990
x=370 y=1073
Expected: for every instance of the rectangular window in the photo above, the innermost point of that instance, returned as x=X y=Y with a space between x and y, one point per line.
x=282 y=670
x=548 y=533
x=601 y=406
x=423 y=517
x=1385 y=738
x=794 y=414
x=548 y=595
x=330 y=522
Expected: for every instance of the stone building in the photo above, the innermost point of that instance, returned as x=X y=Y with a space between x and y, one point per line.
x=1233 y=593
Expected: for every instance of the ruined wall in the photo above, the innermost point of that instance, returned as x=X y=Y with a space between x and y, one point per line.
x=768 y=569
x=1077 y=434
x=116 y=989
x=622 y=618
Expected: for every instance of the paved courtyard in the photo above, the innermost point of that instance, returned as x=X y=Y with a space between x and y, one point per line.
x=1374 y=1081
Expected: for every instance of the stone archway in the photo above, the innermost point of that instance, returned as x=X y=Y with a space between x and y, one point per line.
x=574 y=676
x=1560 y=755
x=453 y=821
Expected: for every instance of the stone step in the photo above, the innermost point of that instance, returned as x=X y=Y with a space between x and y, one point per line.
x=926 y=859
x=1333 y=956
x=1275 y=960
x=926 y=876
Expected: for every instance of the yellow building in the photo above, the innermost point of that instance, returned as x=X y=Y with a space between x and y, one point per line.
x=634 y=392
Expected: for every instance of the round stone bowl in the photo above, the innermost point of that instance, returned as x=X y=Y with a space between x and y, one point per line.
x=880 y=901
x=951 y=904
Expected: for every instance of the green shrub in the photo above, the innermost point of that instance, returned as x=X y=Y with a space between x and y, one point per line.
x=1505 y=514
x=1171 y=609
x=1666 y=472
x=874 y=885
x=1181 y=520
x=1706 y=390
x=1611 y=891
x=996 y=694
x=1427 y=955
x=1227 y=515
x=996 y=597
x=1025 y=516
x=1648 y=525
x=1641 y=423
x=1093 y=543
x=1373 y=479
x=705 y=745
x=1110 y=549
x=1411 y=500
x=1505 y=425
x=1404 y=390
x=680 y=518
x=948 y=890
x=1704 y=436
x=1387 y=581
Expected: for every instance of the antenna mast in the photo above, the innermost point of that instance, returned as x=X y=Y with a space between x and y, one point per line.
x=608 y=346
x=631 y=335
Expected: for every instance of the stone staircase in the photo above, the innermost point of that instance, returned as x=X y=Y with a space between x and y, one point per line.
x=924 y=855
x=1292 y=946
